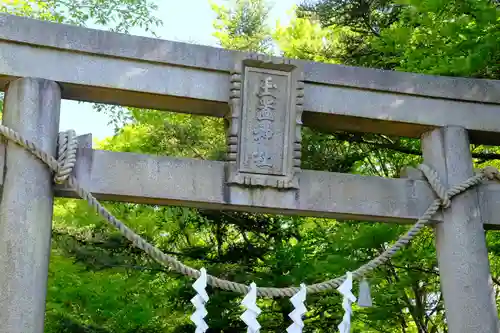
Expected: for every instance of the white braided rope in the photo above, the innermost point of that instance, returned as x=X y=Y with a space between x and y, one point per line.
x=67 y=160
x=67 y=145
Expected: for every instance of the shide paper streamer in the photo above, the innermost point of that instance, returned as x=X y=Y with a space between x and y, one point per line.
x=300 y=309
x=199 y=301
x=250 y=315
x=346 y=290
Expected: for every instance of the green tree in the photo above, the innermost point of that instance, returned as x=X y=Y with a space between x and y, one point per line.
x=100 y=283
x=243 y=25
x=270 y=250
x=457 y=38
x=114 y=14
x=433 y=37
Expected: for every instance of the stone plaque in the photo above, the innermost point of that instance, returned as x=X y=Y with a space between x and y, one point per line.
x=264 y=141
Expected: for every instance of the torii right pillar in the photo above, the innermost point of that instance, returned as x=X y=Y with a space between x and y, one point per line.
x=460 y=239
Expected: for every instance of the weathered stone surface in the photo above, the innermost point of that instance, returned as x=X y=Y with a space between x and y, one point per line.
x=264 y=141
x=464 y=268
x=106 y=67
x=105 y=43
x=32 y=109
x=197 y=183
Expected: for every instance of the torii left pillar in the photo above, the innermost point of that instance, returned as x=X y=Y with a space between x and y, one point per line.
x=31 y=108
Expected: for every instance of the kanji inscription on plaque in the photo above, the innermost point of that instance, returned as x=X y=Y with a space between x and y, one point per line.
x=264 y=138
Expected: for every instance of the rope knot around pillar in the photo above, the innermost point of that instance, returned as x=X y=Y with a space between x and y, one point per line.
x=436 y=185
x=491 y=173
x=67 y=144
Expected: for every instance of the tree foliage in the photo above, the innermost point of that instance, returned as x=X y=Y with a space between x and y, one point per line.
x=243 y=25
x=457 y=38
x=100 y=283
x=117 y=15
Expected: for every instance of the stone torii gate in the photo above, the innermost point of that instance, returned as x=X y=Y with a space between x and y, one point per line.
x=265 y=101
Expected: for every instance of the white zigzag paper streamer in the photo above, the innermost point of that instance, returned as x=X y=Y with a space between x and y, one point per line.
x=249 y=317
x=199 y=301
x=300 y=309
x=345 y=289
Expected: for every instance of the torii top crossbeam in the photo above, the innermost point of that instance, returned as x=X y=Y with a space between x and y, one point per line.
x=107 y=67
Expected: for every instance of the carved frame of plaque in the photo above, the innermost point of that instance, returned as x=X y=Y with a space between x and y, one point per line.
x=251 y=103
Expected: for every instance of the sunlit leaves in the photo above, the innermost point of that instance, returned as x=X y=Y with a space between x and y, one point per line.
x=242 y=25
x=305 y=39
x=118 y=15
x=32 y=8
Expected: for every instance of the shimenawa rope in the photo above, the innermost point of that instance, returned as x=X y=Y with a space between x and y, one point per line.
x=63 y=166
